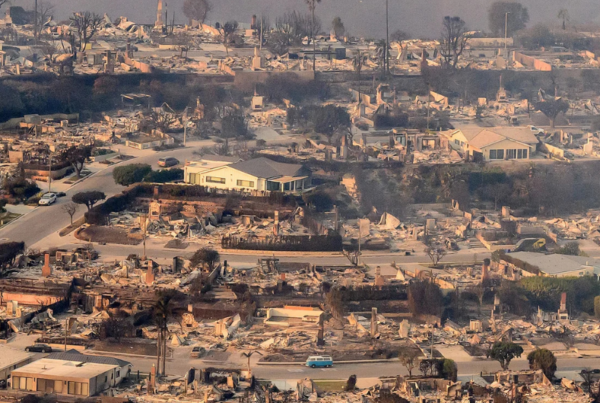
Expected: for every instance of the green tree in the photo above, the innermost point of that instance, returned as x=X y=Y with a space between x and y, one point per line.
x=543 y=359
x=321 y=201
x=552 y=108
x=425 y=298
x=350 y=383
x=76 y=156
x=504 y=352
x=234 y=125
x=205 y=257
x=9 y=251
x=449 y=370
x=89 y=199
x=164 y=175
x=597 y=306
x=127 y=175
x=518 y=17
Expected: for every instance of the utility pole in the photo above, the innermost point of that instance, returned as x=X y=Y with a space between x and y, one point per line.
x=186 y=121
x=261 y=33
x=144 y=228
x=387 y=37
x=50 y=174
x=506 y=39
x=35 y=22
x=359 y=240
x=313 y=5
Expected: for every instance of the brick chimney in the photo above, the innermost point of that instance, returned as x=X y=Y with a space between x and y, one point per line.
x=563 y=301
x=46 y=269
x=485 y=268
x=150 y=273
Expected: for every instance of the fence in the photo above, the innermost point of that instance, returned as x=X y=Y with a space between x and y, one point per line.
x=302 y=243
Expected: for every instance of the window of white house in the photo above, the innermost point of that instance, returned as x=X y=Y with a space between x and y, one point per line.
x=245 y=184
x=496 y=154
x=511 y=154
x=214 y=179
x=522 y=154
x=457 y=142
x=194 y=178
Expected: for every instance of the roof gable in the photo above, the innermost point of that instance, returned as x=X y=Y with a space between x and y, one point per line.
x=74 y=355
x=265 y=168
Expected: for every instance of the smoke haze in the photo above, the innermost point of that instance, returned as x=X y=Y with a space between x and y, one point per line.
x=361 y=17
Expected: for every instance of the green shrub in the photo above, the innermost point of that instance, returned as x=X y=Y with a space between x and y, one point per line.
x=129 y=174
x=164 y=175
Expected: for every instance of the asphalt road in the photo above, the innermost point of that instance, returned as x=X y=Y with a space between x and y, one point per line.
x=343 y=371
x=45 y=221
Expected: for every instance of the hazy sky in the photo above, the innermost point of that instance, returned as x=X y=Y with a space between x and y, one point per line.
x=361 y=17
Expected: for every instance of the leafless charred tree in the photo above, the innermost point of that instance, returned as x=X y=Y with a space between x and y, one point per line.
x=228 y=34
x=454 y=39
x=294 y=25
x=314 y=28
x=435 y=253
x=70 y=208
x=409 y=359
x=45 y=11
x=86 y=25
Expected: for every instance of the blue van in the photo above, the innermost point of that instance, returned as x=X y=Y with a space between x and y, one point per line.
x=322 y=361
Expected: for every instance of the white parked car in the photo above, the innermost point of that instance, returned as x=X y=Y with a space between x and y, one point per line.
x=47 y=199
x=537 y=130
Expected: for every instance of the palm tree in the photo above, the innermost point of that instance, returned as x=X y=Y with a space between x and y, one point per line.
x=357 y=63
x=312 y=5
x=381 y=49
x=564 y=16
x=248 y=356
x=162 y=313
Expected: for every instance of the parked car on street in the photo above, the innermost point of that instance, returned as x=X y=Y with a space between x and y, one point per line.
x=197 y=351
x=166 y=162
x=47 y=199
x=39 y=348
x=321 y=361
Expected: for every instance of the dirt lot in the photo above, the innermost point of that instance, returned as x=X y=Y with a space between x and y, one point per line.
x=103 y=234
x=346 y=354
x=148 y=347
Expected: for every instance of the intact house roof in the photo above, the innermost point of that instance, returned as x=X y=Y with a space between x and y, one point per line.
x=267 y=169
x=74 y=355
x=555 y=264
x=65 y=370
x=220 y=158
x=11 y=357
x=482 y=137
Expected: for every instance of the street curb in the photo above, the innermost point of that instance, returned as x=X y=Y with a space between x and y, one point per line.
x=17 y=219
x=335 y=363
x=100 y=352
